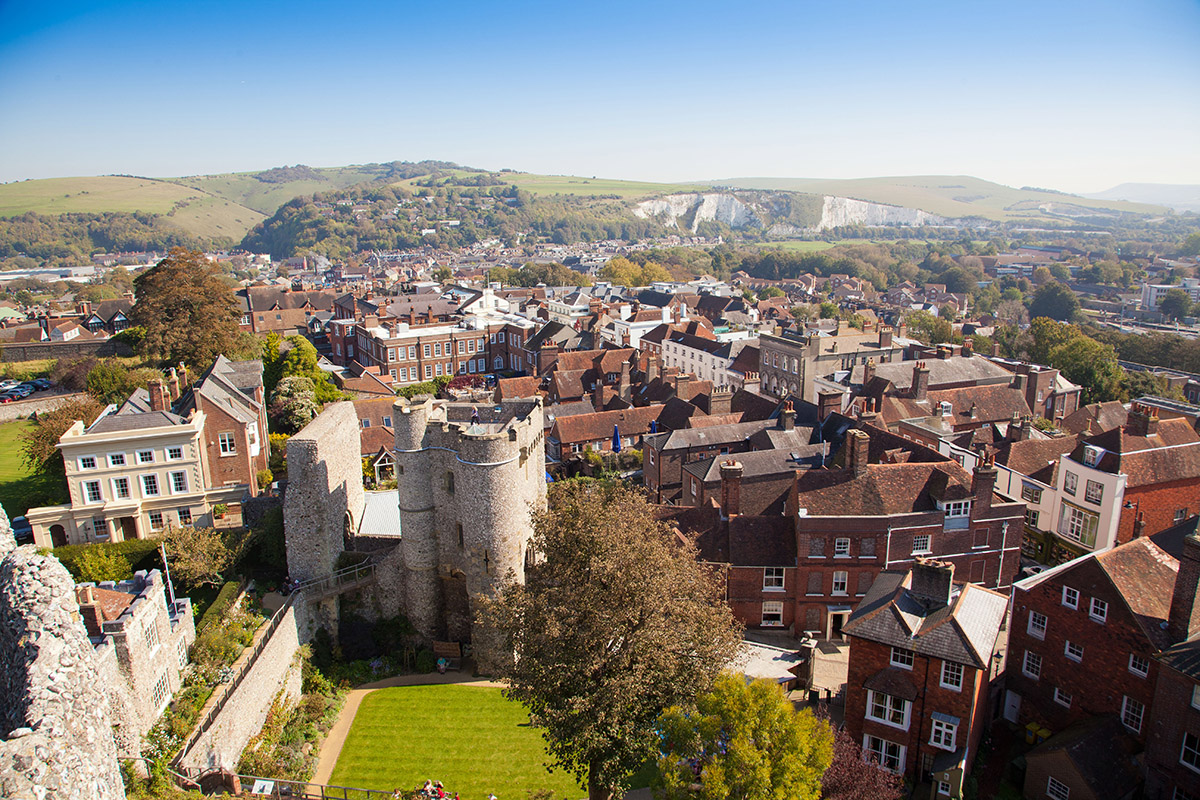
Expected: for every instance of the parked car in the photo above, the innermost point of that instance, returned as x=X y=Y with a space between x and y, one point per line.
x=22 y=390
x=22 y=529
x=42 y=383
x=6 y=398
x=30 y=385
x=7 y=384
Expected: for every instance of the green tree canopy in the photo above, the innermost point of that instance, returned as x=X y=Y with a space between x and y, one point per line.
x=1175 y=304
x=742 y=741
x=187 y=308
x=293 y=403
x=1092 y=365
x=617 y=622
x=1056 y=301
x=198 y=556
x=37 y=443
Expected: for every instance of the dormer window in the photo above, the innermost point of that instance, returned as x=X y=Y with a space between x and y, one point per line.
x=1091 y=455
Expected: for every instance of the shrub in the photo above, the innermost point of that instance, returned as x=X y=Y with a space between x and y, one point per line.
x=220 y=607
x=426 y=662
x=97 y=564
x=139 y=553
x=264 y=477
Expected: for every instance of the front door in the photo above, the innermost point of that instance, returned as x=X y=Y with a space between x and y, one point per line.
x=836 y=620
x=1012 y=705
x=128 y=529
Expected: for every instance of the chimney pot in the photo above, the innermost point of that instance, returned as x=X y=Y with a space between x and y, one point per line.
x=931 y=581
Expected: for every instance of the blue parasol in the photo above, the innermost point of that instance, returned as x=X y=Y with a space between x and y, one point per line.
x=616 y=448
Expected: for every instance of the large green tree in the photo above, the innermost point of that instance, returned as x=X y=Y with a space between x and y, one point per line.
x=1056 y=301
x=742 y=741
x=188 y=309
x=1093 y=366
x=1175 y=304
x=617 y=622
x=37 y=443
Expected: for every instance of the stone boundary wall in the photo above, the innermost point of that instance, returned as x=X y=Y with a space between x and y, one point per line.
x=56 y=738
x=36 y=404
x=245 y=709
x=33 y=351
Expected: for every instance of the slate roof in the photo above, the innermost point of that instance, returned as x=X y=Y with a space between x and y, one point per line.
x=129 y=421
x=965 y=631
x=1102 y=752
x=264 y=298
x=758 y=463
x=556 y=410
x=747 y=360
x=709 y=436
x=761 y=541
x=942 y=371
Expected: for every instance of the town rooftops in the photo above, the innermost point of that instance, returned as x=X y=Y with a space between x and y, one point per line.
x=964 y=630
x=1102 y=753
x=942 y=371
x=599 y=426
x=1168 y=452
x=1035 y=458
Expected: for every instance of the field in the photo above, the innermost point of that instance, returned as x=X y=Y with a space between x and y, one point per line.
x=19 y=489
x=944 y=195
x=264 y=197
x=569 y=184
x=798 y=246
x=195 y=211
x=468 y=737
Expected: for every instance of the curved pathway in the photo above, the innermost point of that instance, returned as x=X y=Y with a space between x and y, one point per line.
x=331 y=748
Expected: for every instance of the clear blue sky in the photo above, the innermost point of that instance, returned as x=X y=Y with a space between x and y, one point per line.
x=1078 y=96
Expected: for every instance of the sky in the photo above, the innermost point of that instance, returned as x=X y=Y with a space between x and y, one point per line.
x=1075 y=96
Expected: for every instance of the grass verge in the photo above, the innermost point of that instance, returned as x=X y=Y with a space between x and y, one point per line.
x=21 y=489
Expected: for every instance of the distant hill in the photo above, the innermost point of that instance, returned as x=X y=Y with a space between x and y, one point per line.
x=1178 y=196
x=953 y=196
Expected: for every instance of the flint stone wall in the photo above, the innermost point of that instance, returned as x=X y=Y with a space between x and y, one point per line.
x=56 y=737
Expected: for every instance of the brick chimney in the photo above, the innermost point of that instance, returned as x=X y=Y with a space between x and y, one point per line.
x=858 y=453
x=89 y=608
x=1019 y=381
x=184 y=379
x=920 y=383
x=868 y=371
x=173 y=384
x=158 y=396
x=731 y=487
x=995 y=349
x=930 y=583
x=828 y=403
x=547 y=356
x=1143 y=420
x=869 y=410
x=651 y=367
x=944 y=351
x=720 y=400
x=623 y=388
x=983 y=483
x=968 y=348
x=787 y=416
x=885 y=337
x=1139 y=525
x=1026 y=430
x=683 y=387
x=598 y=395
x=1184 y=619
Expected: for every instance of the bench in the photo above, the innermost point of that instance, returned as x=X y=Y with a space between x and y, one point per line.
x=451 y=651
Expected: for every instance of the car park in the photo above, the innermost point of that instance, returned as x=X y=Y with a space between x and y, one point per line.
x=42 y=383
x=30 y=385
x=7 y=384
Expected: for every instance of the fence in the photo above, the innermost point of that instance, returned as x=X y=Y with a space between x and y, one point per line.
x=275 y=788
x=341 y=581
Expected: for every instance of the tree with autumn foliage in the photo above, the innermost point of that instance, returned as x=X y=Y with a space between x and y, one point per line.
x=852 y=777
x=617 y=622
x=38 y=442
x=187 y=308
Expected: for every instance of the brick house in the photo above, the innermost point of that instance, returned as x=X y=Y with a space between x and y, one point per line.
x=923 y=654
x=230 y=396
x=267 y=309
x=1086 y=636
x=1094 y=759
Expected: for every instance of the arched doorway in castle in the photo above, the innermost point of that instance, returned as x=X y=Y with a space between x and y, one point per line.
x=58 y=535
x=457 y=608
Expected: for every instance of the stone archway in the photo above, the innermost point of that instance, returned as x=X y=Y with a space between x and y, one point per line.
x=58 y=535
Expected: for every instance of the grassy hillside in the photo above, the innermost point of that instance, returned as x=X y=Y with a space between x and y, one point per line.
x=194 y=211
x=266 y=196
x=570 y=184
x=948 y=196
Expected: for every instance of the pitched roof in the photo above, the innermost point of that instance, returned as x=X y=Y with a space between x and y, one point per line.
x=373 y=439
x=508 y=388
x=1102 y=752
x=120 y=422
x=965 y=631
x=1171 y=453
x=1035 y=458
x=882 y=490
x=598 y=426
x=1096 y=418
x=942 y=371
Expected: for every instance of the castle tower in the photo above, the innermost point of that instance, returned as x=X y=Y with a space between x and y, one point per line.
x=469 y=477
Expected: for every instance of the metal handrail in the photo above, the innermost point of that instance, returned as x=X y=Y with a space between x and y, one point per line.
x=283 y=788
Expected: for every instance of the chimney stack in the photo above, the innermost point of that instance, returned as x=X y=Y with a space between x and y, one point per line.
x=859 y=444
x=968 y=348
x=920 y=384
x=995 y=349
x=158 y=396
x=720 y=401
x=89 y=609
x=930 y=583
x=983 y=483
x=868 y=371
x=828 y=403
x=1019 y=381
x=173 y=384
x=623 y=388
x=547 y=355
x=1139 y=525
x=1184 y=619
x=652 y=367
x=1143 y=420
x=885 y=337
x=683 y=388
x=787 y=417
x=731 y=487
x=869 y=410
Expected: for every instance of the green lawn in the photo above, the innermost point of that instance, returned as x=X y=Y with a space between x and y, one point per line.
x=468 y=737
x=19 y=489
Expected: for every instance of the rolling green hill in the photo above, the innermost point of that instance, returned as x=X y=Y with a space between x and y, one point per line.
x=951 y=196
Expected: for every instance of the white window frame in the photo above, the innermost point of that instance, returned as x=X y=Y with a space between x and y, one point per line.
x=145 y=456
x=1061 y=697
x=1196 y=696
x=1194 y=750
x=162 y=520
x=1136 y=667
x=171 y=482
x=880 y=754
x=1070 y=597
x=170 y=452
x=1031 y=665
x=1070 y=483
x=1133 y=713
x=922 y=543
x=1098 y=610
x=87 y=493
x=1036 y=626
x=144 y=482
x=1073 y=651
x=958 y=508
x=902 y=658
x=184 y=511
x=942 y=735
x=116 y=459
x=885 y=708
x=841 y=547
x=87 y=463
x=954 y=673
x=117 y=493
x=770 y=610
x=1057 y=790
x=227 y=443
x=841 y=578
x=1093 y=492
x=773 y=579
